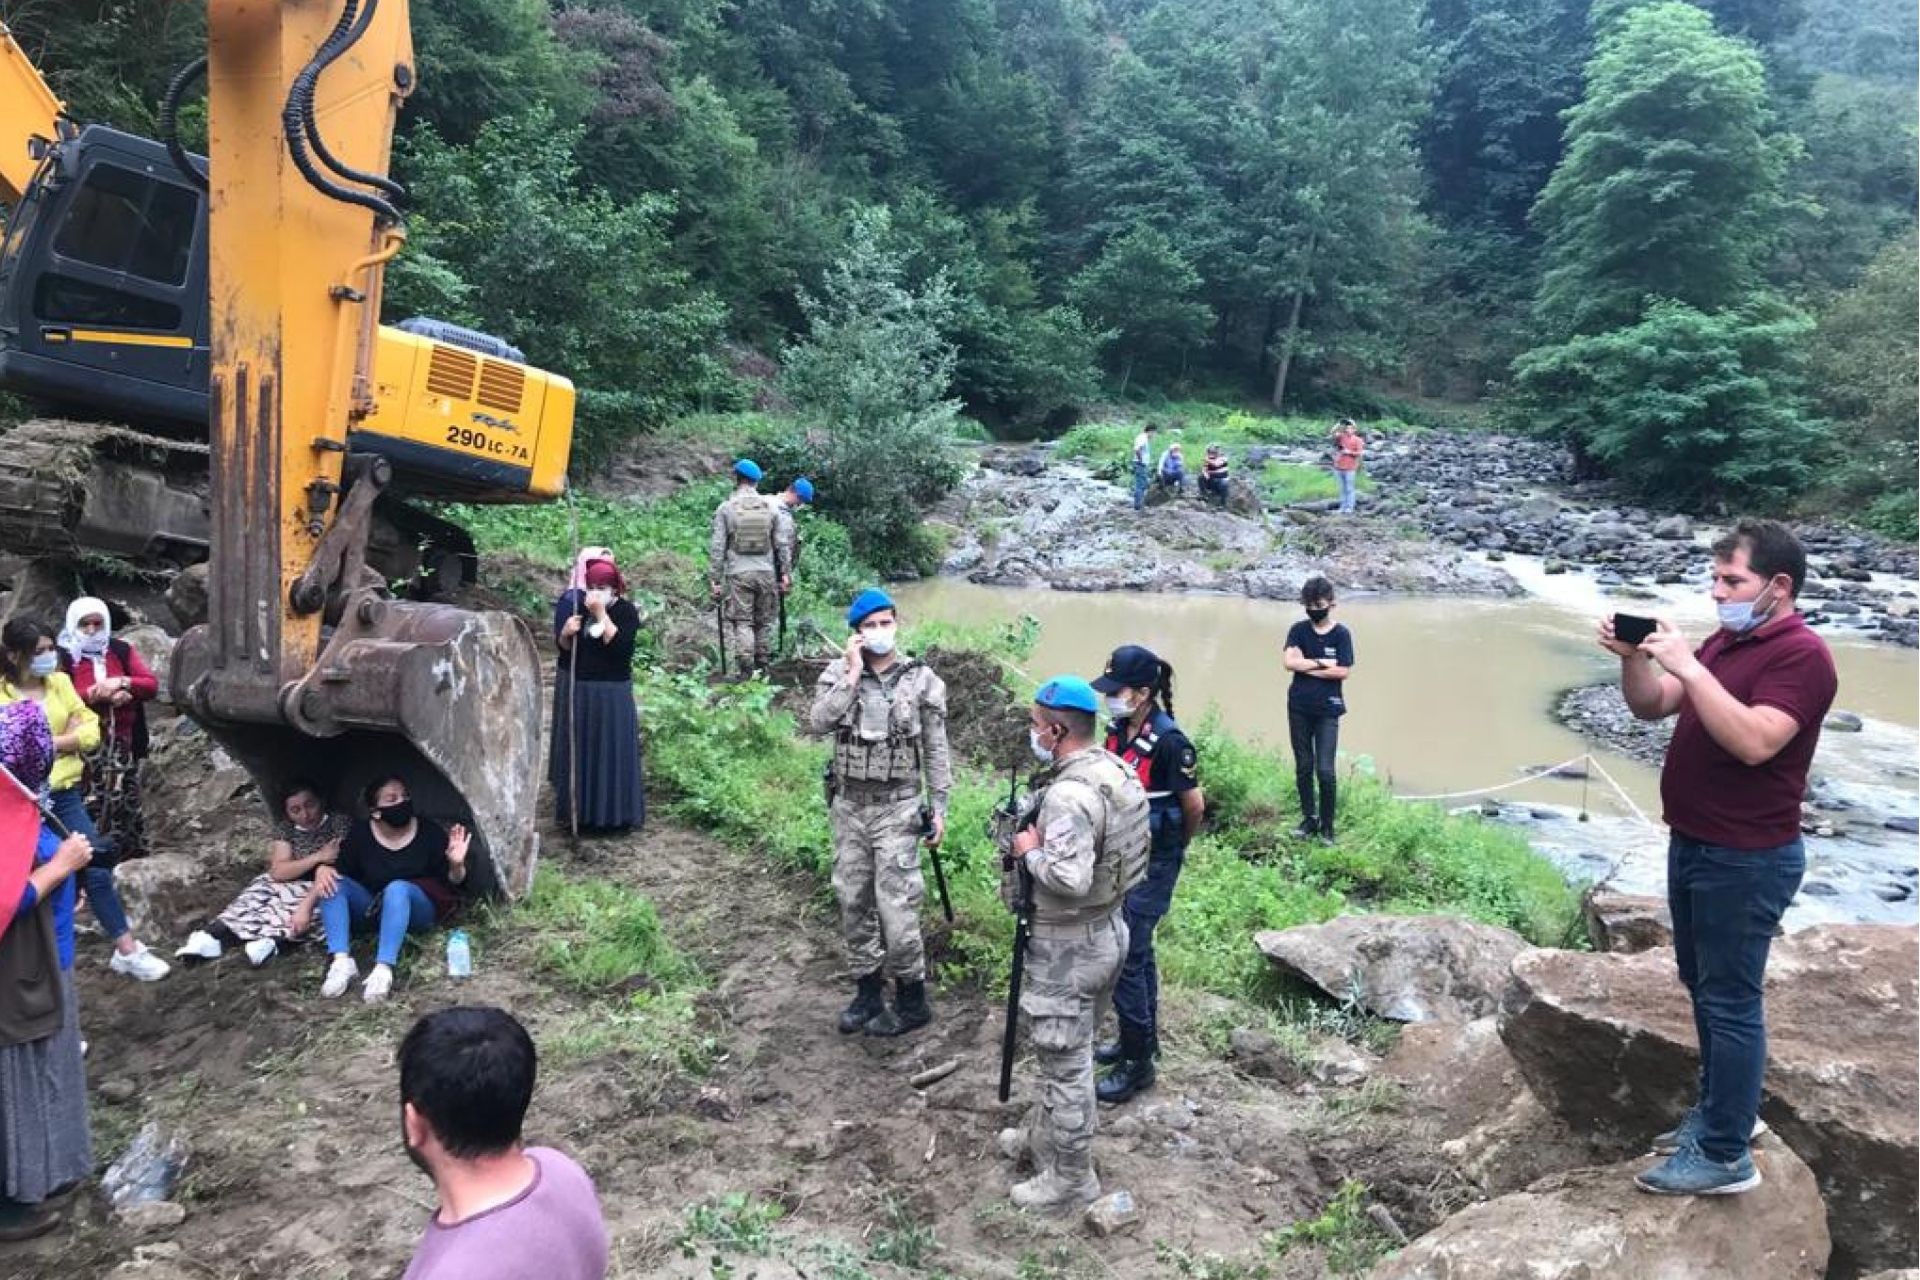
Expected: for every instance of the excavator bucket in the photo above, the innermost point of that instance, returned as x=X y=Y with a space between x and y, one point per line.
x=305 y=667
x=446 y=698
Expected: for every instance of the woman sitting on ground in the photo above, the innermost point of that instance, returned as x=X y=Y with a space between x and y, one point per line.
x=45 y=1145
x=279 y=905
x=396 y=866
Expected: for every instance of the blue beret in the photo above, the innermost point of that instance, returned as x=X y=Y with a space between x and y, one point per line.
x=804 y=488
x=747 y=469
x=866 y=604
x=1068 y=693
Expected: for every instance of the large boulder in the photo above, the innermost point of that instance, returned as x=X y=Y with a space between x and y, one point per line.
x=1607 y=1042
x=1627 y=922
x=1595 y=1222
x=1408 y=968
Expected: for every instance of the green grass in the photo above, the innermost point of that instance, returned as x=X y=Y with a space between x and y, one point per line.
x=1348 y=1240
x=1282 y=483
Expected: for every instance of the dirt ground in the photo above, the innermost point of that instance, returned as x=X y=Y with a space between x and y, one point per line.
x=289 y=1105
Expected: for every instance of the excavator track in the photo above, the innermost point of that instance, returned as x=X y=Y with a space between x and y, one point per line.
x=70 y=488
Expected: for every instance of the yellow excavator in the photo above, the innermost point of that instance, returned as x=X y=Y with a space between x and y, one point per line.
x=207 y=328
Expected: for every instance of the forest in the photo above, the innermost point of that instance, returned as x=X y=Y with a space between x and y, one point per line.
x=1679 y=236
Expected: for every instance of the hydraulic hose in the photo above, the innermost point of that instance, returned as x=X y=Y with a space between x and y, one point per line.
x=170 y=121
x=298 y=108
x=329 y=53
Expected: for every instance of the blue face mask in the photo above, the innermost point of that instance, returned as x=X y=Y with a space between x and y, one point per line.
x=1742 y=616
x=44 y=664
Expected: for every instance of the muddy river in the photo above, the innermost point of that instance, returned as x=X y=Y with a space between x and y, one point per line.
x=1455 y=696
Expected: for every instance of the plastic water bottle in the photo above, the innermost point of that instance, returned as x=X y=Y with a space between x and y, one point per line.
x=149 y=1168
x=459 y=955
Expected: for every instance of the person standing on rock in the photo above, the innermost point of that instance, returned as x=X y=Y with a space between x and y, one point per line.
x=1085 y=850
x=1319 y=652
x=1138 y=688
x=744 y=569
x=1142 y=465
x=1347 y=448
x=1749 y=704
x=887 y=715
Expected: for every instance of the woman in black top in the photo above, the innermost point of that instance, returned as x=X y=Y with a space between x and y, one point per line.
x=393 y=865
x=595 y=769
x=1320 y=655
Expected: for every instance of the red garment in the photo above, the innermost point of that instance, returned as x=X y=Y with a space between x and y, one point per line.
x=1350 y=447
x=1710 y=796
x=145 y=687
x=19 y=834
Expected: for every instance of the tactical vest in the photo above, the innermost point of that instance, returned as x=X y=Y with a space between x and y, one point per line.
x=878 y=740
x=752 y=525
x=1121 y=840
x=1138 y=755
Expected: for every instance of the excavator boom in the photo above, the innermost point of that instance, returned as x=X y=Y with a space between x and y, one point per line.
x=29 y=109
x=302 y=642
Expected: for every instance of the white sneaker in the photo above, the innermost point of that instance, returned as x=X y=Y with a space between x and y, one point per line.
x=200 y=945
x=261 y=950
x=378 y=985
x=342 y=971
x=141 y=964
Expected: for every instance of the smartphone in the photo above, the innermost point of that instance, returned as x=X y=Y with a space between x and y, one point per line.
x=1630 y=628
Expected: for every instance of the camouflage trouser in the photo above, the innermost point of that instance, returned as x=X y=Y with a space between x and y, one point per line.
x=876 y=877
x=752 y=606
x=1068 y=984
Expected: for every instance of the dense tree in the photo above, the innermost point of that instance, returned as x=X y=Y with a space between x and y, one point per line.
x=1142 y=292
x=1671 y=176
x=1866 y=366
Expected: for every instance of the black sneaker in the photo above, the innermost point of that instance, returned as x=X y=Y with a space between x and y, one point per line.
x=1307 y=830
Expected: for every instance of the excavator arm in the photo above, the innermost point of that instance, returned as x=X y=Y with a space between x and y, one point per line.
x=29 y=109
x=305 y=665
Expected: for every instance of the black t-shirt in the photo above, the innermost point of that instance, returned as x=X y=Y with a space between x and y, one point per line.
x=1310 y=694
x=613 y=661
x=1170 y=767
x=374 y=866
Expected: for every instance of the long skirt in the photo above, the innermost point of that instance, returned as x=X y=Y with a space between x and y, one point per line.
x=612 y=794
x=264 y=907
x=44 y=1140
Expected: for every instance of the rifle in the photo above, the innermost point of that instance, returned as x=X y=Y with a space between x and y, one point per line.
x=926 y=833
x=720 y=629
x=1007 y=819
x=781 y=645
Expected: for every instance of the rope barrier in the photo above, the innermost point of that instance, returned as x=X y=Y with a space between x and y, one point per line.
x=1585 y=758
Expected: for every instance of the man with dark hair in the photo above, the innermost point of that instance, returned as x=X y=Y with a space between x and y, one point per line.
x=506 y=1211
x=1749 y=702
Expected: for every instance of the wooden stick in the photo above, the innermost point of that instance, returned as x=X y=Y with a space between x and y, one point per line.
x=932 y=1075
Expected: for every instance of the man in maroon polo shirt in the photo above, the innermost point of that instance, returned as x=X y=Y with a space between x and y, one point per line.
x=1750 y=702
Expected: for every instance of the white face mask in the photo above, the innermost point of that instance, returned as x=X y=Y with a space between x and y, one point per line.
x=1119 y=706
x=1742 y=616
x=879 y=641
x=1041 y=751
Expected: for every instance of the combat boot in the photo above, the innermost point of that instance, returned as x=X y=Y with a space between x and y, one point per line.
x=867 y=1004
x=910 y=1012
x=1053 y=1192
x=1105 y=1055
x=1133 y=1075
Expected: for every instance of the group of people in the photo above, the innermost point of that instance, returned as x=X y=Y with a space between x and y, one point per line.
x=1346 y=446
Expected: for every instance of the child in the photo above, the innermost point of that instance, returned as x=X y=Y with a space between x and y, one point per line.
x=1320 y=654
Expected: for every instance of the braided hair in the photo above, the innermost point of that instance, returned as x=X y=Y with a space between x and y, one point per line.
x=1163 y=687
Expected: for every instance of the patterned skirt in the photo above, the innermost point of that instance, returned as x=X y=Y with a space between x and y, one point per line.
x=44 y=1141
x=264 y=907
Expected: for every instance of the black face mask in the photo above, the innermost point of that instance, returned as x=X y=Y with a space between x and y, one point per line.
x=398 y=814
x=1318 y=615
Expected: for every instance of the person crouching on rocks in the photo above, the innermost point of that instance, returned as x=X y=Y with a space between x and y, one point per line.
x=887 y=715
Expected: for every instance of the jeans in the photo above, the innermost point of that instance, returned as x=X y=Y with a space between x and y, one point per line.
x=1136 y=995
x=1216 y=490
x=1139 y=486
x=70 y=807
x=1346 y=479
x=1316 y=741
x=1726 y=904
x=404 y=909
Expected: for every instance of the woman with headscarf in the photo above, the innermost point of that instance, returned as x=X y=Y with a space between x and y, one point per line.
x=594 y=760
x=111 y=678
x=30 y=672
x=45 y=1145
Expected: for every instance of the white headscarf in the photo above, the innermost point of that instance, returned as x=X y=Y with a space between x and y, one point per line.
x=82 y=647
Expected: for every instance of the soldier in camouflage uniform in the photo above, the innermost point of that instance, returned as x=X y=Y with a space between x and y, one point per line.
x=1085 y=848
x=786 y=530
x=744 y=569
x=887 y=715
